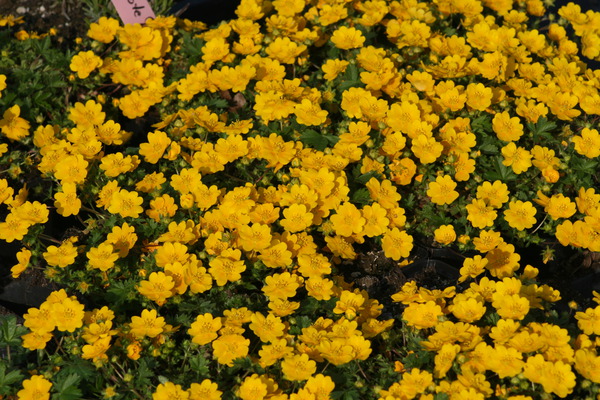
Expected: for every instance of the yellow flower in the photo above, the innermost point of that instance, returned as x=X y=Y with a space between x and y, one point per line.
x=468 y=310
x=309 y=113
x=281 y=286
x=126 y=204
x=502 y=261
x=589 y=321
x=204 y=329
x=444 y=359
x=23 y=256
x=162 y=207
x=142 y=42
x=510 y=306
x=376 y=221
x=2 y=83
x=104 y=30
x=72 y=169
x=479 y=97
x=153 y=150
x=347 y=220
x=96 y=351
x=68 y=315
x=256 y=237
x=445 y=234
x=587 y=363
x=147 y=324
x=495 y=194
x=297 y=218
x=206 y=390
x=61 y=256
x=350 y=304
x=252 y=388
x=284 y=50
x=487 y=240
x=442 y=190
x=332 y=68
x=6 y=192
x=87 y=115
x=426 y=149
x=227 y=267
x=520 y=215
x=102 y=257
x=215 y=49
x=506 y=128
x=170 y=391
x=384 y=192
x=13 y=228
x=422 y=315
x=122 y=238
x=480 y=214
x=12 y=125
x=157 y=288
x=230 y=347
x=588 y=143
x=84 y=63
x=555 y=377
x=35 y=388
x=518 y=158
x=67 y=202
x=267 y=328
x=396 y=244
x=346 y=38
x=298 y=367
x=336 y=351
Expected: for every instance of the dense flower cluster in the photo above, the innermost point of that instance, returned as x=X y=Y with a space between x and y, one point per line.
x=221 y=179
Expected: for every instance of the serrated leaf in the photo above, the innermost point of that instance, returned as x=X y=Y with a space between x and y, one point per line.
x=351 y=73
x=199 y=364
x=542 y=128
x=500 y=172
x=67 y=388
x=10 y=378
x=10 y=333
x=314 y=139
x=364 y=178
x=482 y=123
x=361 y=196
x=79 y=367
x=584 y=165
x=489 y=148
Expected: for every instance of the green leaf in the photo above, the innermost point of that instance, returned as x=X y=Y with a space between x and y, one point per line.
x=67 y=389
x=350 y=395
x=317 y=140
x=361 y=196
x=78 y=366
x=489 y=148
x=364 y=178
x=542 y=127
x=482 y=123
x=8 y=379
x=500 y=172
x=351 y=73
x=10 y=333
x=584 y=165
x=143 y=373
x=200 y=364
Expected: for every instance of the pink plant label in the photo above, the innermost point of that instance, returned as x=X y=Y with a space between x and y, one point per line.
x=133 y=11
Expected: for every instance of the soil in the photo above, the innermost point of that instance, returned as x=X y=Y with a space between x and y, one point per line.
x=42 y=15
